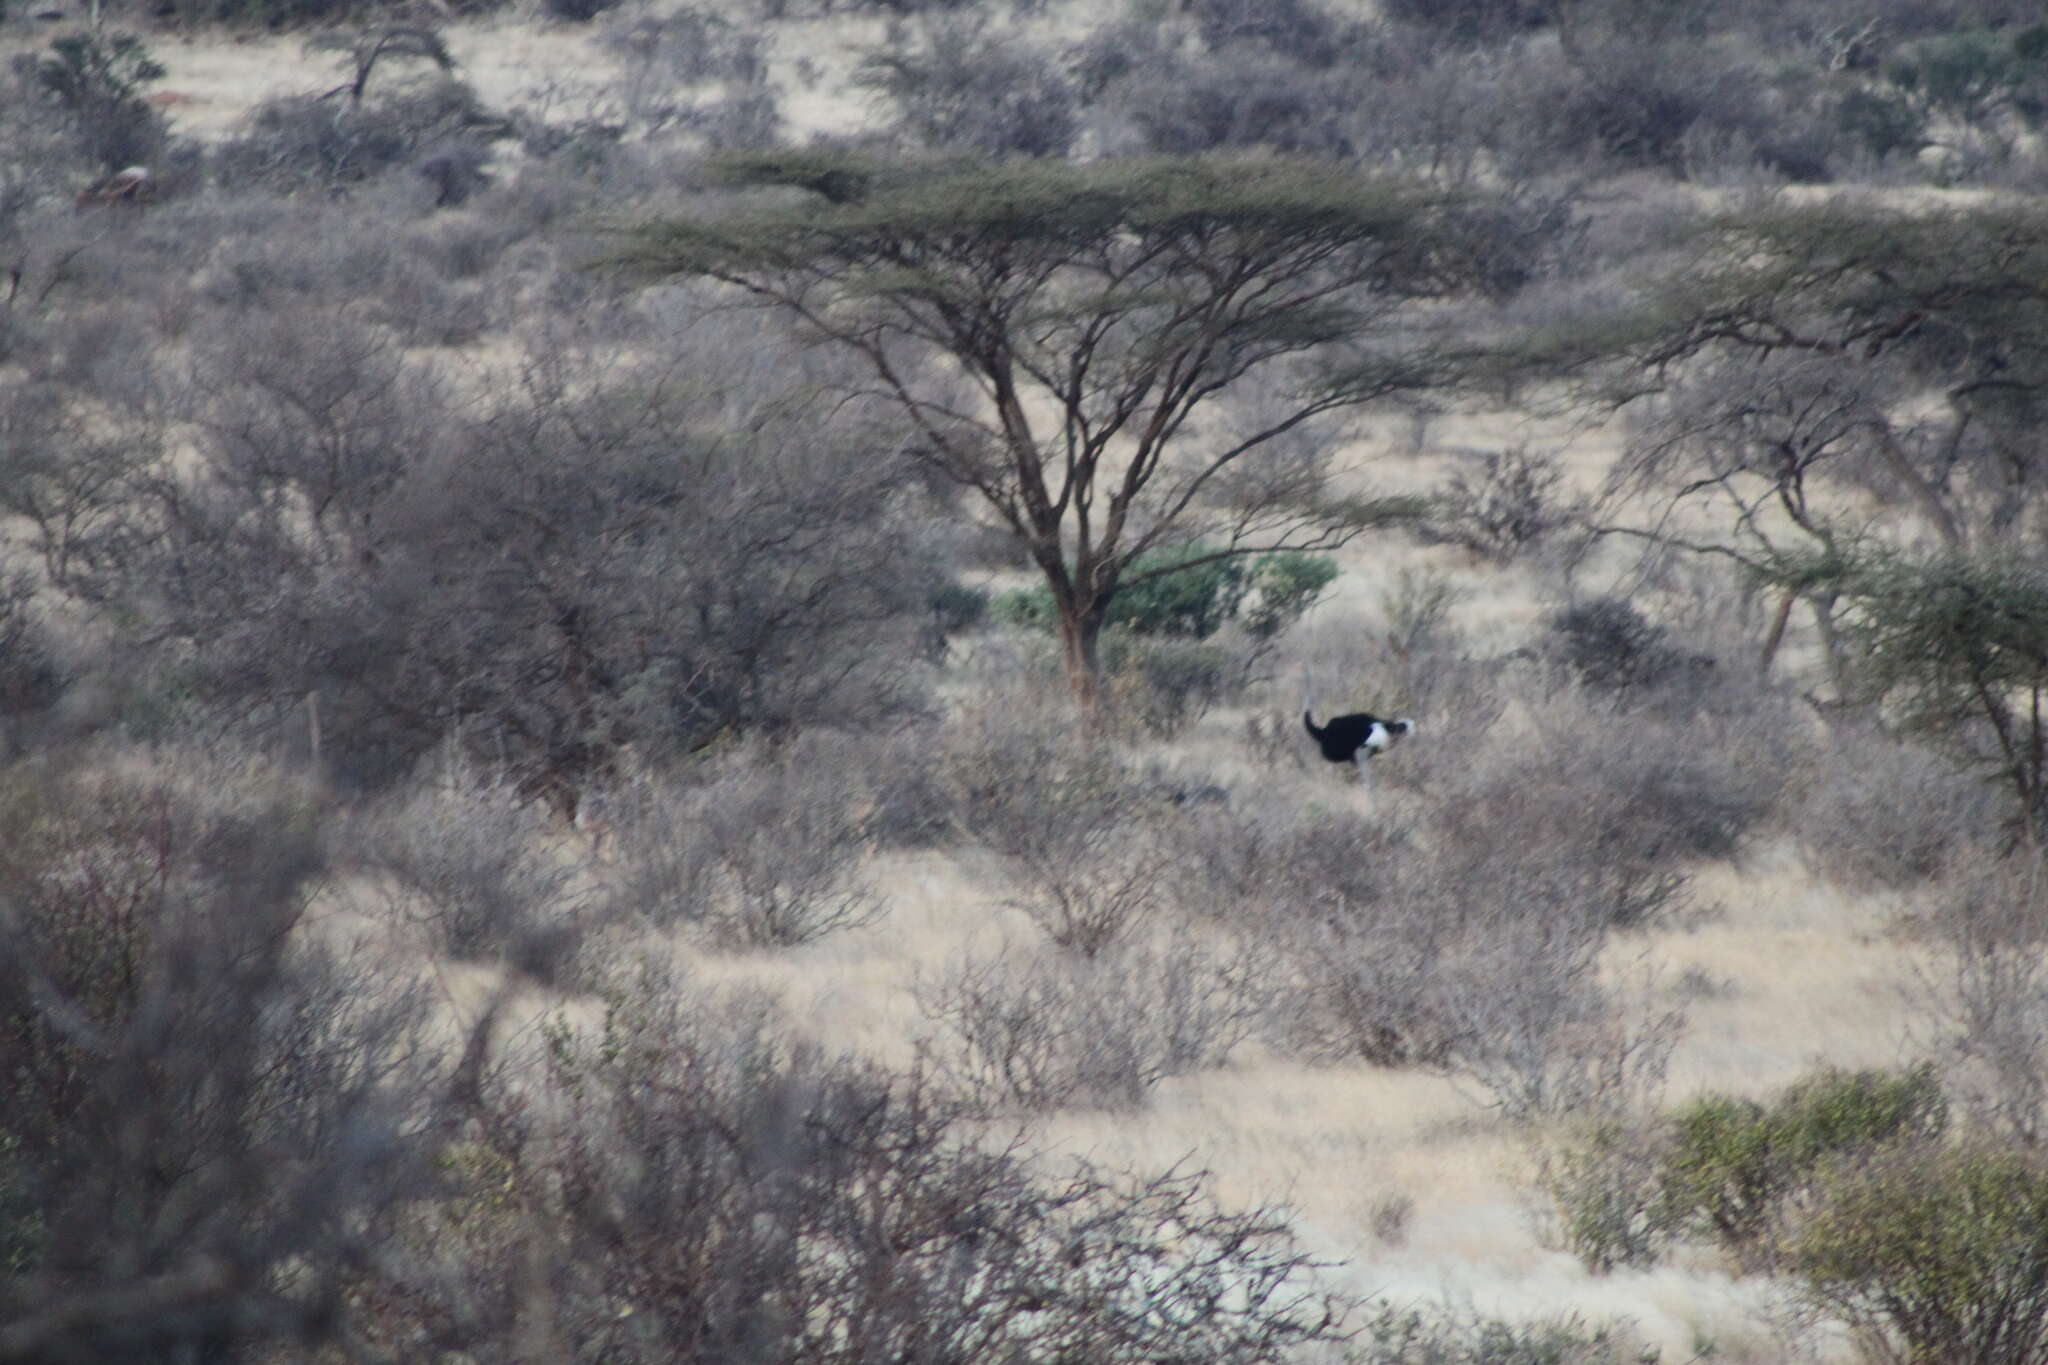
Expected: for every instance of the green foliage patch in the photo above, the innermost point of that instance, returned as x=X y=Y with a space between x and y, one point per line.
x=1264 y=593
x=1736 y=1171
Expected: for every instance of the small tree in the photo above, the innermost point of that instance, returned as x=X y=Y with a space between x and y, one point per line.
x=1063 y=337
x=98 y=82
x=364 y=49
x=1816 y=367
x=1957 y=643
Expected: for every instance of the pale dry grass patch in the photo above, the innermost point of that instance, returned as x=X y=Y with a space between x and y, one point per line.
x=1804 y=972
x=220 y=76
x=1331 y=1144
x=852 y=991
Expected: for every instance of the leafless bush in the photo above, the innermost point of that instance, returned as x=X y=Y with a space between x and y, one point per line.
x=1367 y=993
x=1983 y=1001
x=1302 y=862
x=1627 y=809
x=468 y=864
x=711 y=1192
x=39 y=149
x=1417 y=610
x=1043 y=1030
x=70 y=476
x=661 y=870
x=32 y=676
x=1543 y=1036
x=1390 y=1219
x=96 y=77
x=1246 y=99
x=588 y=561
x=1089 y=870
x=1303 y=32
x=1072 y=827
x=214 y=1113
x=665 y=55
x=1162 y=686
x=785 y=846
x=309 y=142
x=1881 y=811
x=1429 y=961
x=1463 y=936
x=958 y=84
x=910 y=805
x=1327 y=887
x=769 y=854
x=1613 y=648
x=1269 y=739
x=1508 y=506
x=1494 y=979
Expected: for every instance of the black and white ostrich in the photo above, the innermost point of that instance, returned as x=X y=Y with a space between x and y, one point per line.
x=1354 y=738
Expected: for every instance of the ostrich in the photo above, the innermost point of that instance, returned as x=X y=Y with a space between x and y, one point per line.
x=1354 y=738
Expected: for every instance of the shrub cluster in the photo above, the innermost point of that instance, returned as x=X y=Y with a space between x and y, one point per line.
x=708 y=1191
x=1043 y=1030
x=1743 y=1174
x=1264 y=593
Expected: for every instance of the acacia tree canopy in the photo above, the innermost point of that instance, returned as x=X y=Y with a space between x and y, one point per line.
x=1894 y=305
x=1959 y=642
x=1061 y=337
x=1823 y=369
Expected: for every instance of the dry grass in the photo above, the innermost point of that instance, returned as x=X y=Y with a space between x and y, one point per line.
x=1796 y=972
x=1790 y=972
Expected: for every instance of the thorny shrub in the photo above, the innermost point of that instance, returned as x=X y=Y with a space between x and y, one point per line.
x=211 y=1110
x=1043 y=1030
x=467 y=863
x=768 y=854
x=705 y=1189
x=1070 y=826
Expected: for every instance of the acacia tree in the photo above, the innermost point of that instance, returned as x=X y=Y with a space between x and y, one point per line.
x=1821 y=370
x=1063 y=338
x=1889 y=305
x=1957 y=643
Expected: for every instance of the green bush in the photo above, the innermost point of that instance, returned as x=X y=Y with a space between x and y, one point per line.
x=955 y=608
x=1284 y=587
x=1734 y=1164
x=1607 y=1193
x=1407 y=1336
x=98 y=81
x=307 y=142
x=1025 y=608
x=1266 y=594
x=1731 y=1169
x=1192 y=603
x=1934 y=1256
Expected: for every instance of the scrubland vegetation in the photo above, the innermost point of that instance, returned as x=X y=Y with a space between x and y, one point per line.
x=650 y=701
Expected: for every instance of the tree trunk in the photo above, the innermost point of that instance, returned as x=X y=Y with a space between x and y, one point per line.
x=1775 y=636
x=1834 y=649
x=1080 y=633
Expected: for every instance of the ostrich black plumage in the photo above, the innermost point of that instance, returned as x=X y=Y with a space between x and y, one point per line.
x=1350 y=739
